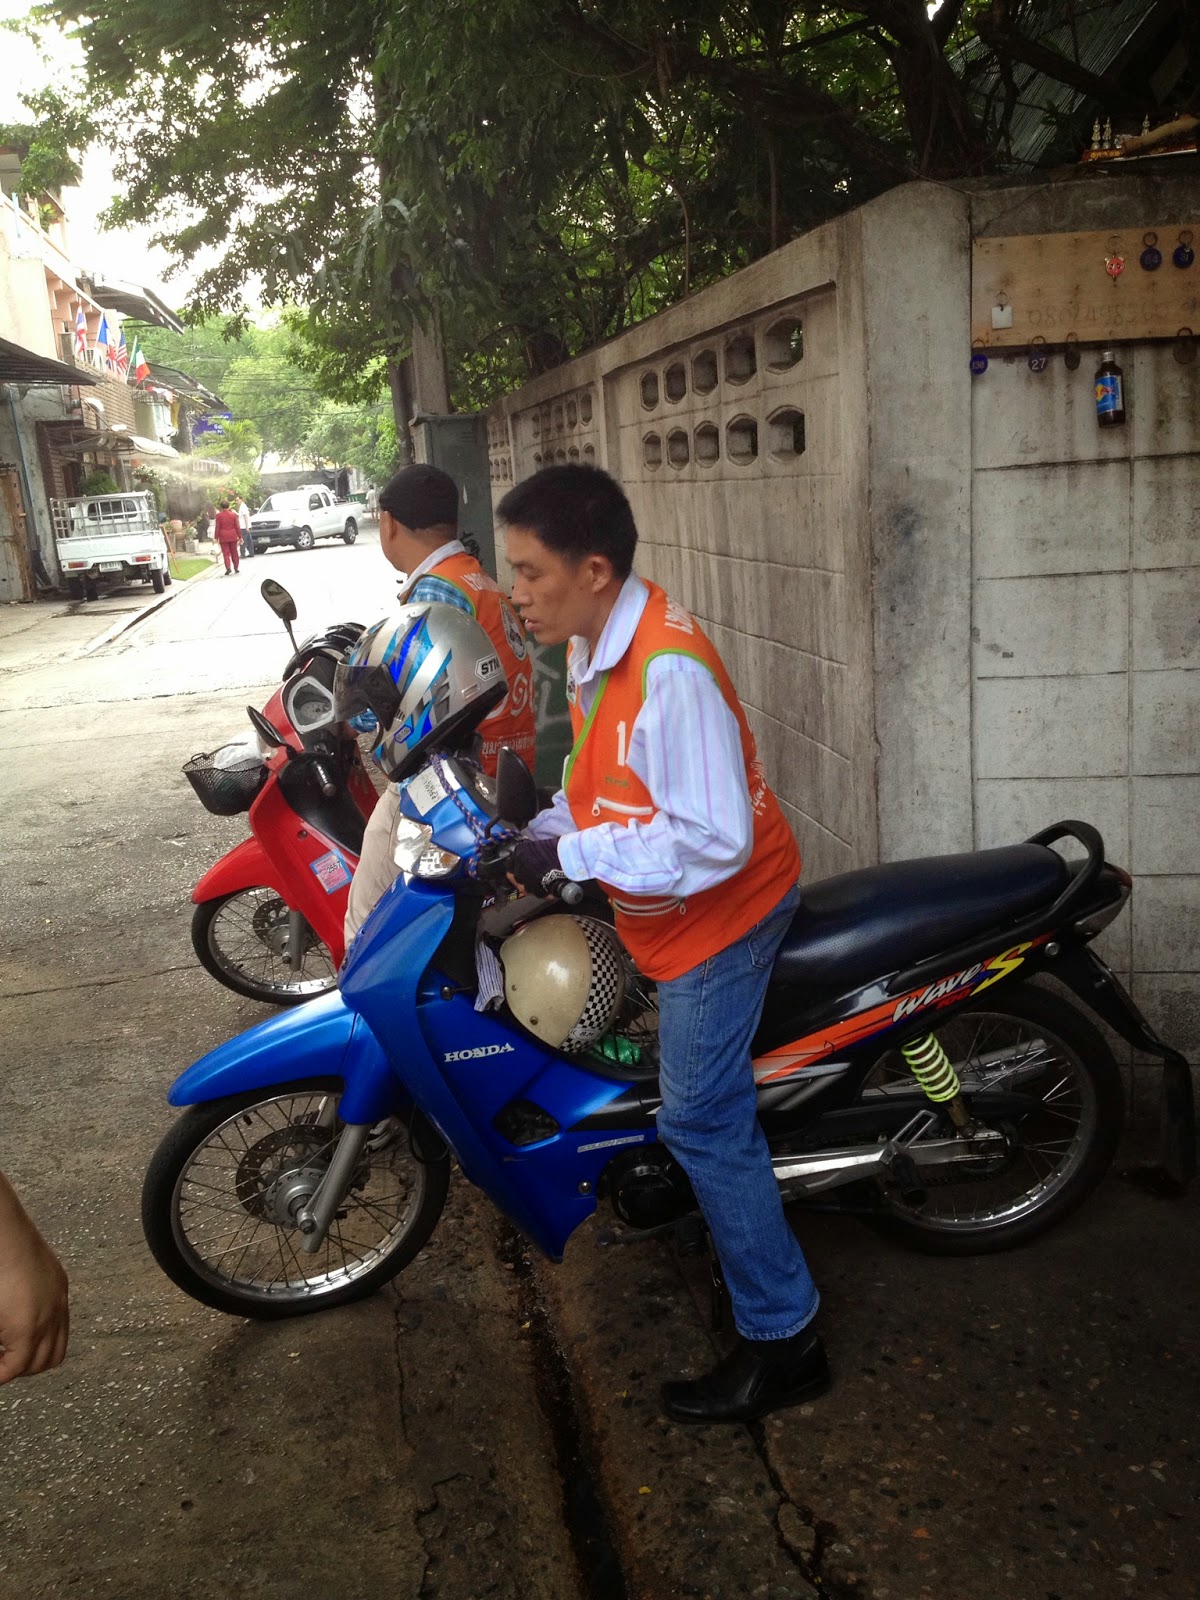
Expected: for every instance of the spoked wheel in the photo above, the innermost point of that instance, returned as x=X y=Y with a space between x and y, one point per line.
x=226 y=1186
x=304 y=539
x=252 y=943
x=1057 y=1104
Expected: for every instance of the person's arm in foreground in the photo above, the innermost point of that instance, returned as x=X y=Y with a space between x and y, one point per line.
x=34 y=1318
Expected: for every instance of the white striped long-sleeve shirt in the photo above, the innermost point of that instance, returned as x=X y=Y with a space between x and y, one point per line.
x=686 y=748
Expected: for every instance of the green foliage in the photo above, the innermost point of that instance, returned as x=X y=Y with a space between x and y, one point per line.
x=48 y=144
x=531 y=178
x=356 y=436
x=99 y=482
x=147 y=478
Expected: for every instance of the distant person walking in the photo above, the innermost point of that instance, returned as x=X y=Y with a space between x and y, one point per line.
x=243 y=516
x=229 y=537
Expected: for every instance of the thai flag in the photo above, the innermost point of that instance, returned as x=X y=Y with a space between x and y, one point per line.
x=121 y=360
x=80 y=335
x=102 y=341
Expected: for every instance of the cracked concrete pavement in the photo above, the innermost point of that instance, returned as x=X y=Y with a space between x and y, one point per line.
x=1011 y=1428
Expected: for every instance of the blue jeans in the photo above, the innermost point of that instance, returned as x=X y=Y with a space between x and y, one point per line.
x=708 y=1121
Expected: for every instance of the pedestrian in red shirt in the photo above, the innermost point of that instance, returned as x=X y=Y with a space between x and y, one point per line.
x=229 y=537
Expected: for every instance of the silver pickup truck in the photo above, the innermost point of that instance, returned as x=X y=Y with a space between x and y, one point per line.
x=300 y=517
x=105 y=541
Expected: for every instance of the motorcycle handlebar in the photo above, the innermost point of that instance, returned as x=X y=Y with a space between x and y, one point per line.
x=493 y=863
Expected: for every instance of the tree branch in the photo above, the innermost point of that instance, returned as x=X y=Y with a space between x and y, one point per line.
x=1016 y=47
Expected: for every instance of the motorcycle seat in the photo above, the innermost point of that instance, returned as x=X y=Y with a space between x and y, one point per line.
x=866 y=924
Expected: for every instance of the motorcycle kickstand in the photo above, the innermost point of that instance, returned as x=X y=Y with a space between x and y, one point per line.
x=314 y=1220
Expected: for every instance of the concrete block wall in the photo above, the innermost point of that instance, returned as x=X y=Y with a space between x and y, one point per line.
x=1086 y=629
x=963 y=612
x=727 y=438
x=743 y=425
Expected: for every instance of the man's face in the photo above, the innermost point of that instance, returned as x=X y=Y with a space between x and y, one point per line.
x=557 y=598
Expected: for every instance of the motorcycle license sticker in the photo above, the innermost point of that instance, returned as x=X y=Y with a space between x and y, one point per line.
x=332 y=870
x=426 y=791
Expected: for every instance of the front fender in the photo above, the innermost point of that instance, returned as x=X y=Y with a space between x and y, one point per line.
x=247 y=866
x=318 y=1040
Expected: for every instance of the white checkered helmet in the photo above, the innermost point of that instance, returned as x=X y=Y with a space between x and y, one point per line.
x=564 y=979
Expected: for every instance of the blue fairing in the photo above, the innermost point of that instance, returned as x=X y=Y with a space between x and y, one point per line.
x=320 y=1040
x=300 y=1043
x=399 y=1034
x=462 y=1068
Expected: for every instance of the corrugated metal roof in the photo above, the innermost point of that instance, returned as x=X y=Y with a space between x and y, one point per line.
x=18 y=365
x=1094 y=36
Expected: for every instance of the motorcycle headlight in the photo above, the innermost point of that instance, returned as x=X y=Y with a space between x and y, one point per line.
x=416 y=852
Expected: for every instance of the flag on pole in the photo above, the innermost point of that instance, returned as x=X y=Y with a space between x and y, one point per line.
x=141 y=367
x=121 y=358
x=80 y=335
x=102 y=339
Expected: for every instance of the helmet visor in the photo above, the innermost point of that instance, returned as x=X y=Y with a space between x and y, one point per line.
x=359 y=689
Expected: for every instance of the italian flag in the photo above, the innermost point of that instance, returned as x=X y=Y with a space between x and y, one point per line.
x=139 y=364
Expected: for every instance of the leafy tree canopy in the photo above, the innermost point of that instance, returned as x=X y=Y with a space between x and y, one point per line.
x=530 y=179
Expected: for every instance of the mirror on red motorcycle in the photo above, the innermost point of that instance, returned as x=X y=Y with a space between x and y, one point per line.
x=263 y=728
x=516 y=792
x=279 y=600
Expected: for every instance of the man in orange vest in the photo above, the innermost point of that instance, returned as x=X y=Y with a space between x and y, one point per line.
x=665 y=804
x=418 y=534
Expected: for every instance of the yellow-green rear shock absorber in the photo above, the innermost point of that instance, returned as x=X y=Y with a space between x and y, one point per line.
x=932 y=1069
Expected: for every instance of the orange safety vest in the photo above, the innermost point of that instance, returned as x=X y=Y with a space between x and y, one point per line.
x=669 y=936
x=512 y=723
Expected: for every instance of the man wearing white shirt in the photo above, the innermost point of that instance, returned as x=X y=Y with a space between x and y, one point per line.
x=664 y=802
x=243 y=516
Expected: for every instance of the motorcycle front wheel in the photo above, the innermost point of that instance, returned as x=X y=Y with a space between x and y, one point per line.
x=223 y=1191
x=245 y=941
x=1061 y=1117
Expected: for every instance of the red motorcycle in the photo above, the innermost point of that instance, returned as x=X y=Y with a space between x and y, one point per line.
x=269 y=914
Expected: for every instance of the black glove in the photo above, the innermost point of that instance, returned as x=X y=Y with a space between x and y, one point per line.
x=535 y=866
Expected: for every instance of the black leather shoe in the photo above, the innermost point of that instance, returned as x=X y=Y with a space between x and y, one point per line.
x=757 y=1376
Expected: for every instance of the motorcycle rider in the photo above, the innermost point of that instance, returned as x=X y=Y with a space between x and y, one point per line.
x=665 y=803
x=418 y=534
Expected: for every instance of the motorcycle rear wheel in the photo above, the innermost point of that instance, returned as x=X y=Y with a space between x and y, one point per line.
x=1032 y=1043
x=241 y=938
x=223 y=1187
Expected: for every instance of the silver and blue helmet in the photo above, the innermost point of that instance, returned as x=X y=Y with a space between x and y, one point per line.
x=429 y=675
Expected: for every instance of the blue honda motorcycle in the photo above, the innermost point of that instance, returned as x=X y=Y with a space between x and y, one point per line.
x=907 y=1069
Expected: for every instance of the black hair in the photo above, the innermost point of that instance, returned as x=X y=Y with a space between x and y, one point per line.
x=421 y=496
x=575 y=511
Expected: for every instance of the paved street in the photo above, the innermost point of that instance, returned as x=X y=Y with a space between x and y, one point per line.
x=1022 y=1428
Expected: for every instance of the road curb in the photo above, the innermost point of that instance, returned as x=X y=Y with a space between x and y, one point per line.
x=159 y=601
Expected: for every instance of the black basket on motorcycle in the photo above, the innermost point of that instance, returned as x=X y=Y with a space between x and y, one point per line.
x=224 y=790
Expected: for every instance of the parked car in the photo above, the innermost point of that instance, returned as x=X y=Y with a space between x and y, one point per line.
x=300 y=517
x=107 y=540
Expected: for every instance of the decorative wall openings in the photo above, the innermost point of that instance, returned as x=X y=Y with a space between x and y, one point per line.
x=741 y=440
x=785 y=433
x=704 y=371
x=783 y=344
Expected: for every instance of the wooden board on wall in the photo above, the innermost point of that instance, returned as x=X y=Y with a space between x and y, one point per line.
x=1057 y=286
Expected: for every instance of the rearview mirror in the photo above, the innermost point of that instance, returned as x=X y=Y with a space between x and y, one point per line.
x=265 y=730
x=516 y=792
x=279 y=600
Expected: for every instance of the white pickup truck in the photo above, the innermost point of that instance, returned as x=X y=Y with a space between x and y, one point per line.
x=300 y=517
x=107 y=540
